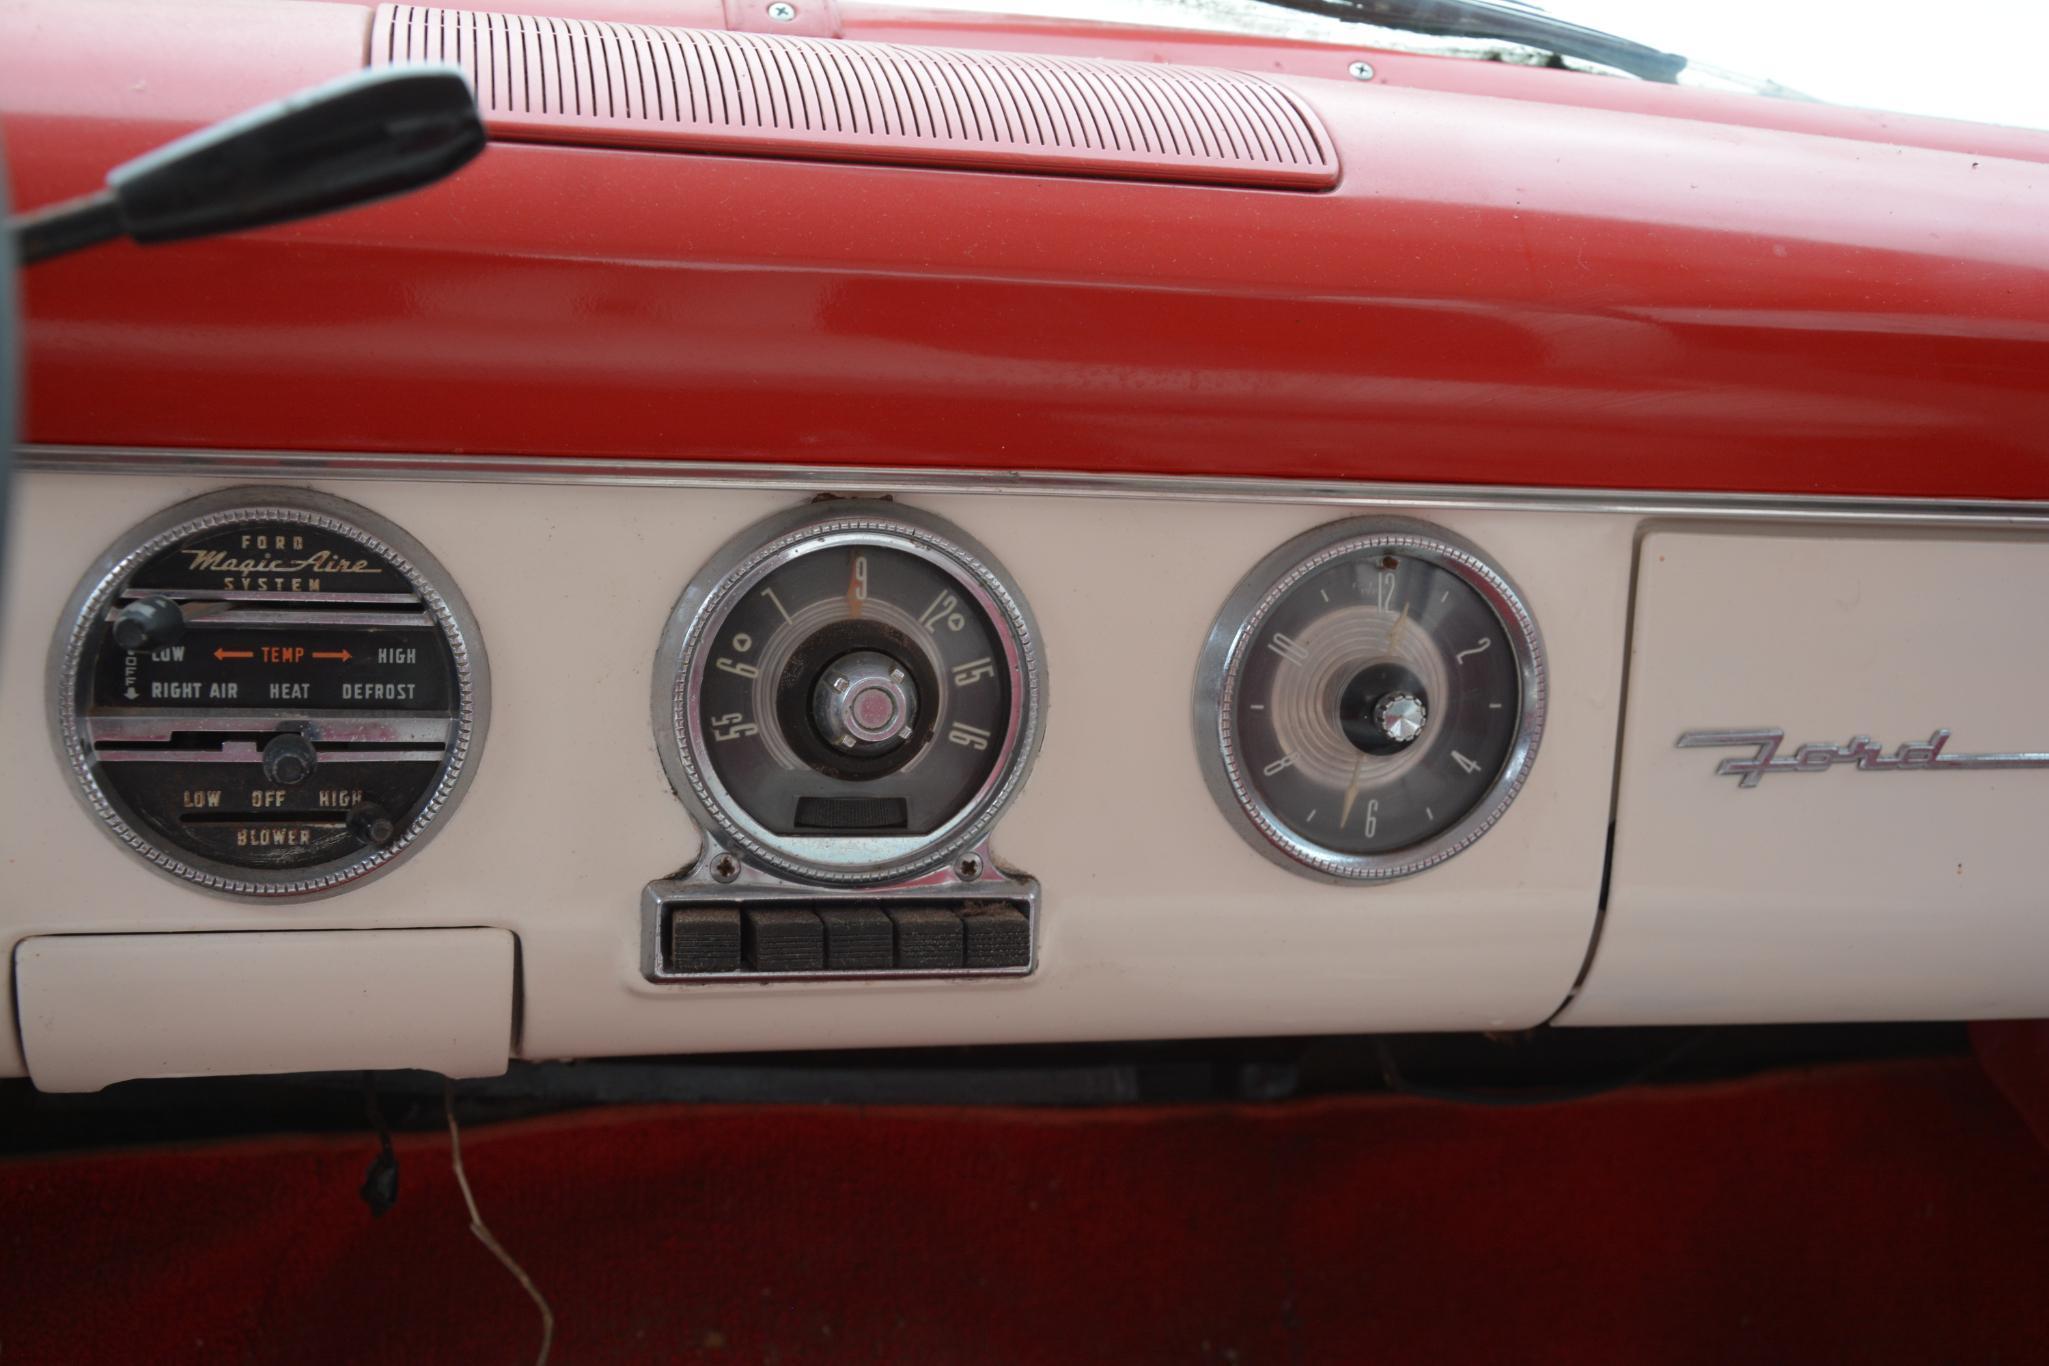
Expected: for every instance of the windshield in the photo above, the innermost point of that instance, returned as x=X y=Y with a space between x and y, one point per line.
x=1963 y=59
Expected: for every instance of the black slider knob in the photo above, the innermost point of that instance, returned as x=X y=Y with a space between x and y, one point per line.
x=371 y=823
x=289 y=759
x=147 y=623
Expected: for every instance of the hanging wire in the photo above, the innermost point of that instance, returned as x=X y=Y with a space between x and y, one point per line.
x=483 y=1232
x=380 y=1182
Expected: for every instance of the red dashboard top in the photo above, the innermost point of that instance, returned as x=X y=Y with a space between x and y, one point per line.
x=1522 y=276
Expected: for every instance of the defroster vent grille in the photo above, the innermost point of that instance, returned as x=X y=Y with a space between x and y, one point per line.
x=640 y=85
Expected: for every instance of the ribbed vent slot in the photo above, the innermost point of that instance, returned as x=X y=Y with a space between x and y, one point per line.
x=642 y=85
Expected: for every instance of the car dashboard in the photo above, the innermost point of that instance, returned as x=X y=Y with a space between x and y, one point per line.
x=899 y=535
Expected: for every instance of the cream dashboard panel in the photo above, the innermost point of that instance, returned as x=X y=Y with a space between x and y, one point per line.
x=1156 y=919
x=1890 y=874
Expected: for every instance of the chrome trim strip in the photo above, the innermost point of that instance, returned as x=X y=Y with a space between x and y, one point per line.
x=268 y=618
x=249 y=754
x=336 y=728
x=225 y=595
x=1981 y=513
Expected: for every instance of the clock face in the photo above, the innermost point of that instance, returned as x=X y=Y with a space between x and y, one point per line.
x=1371 y=700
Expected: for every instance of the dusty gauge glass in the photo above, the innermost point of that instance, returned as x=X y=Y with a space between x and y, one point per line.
x=269 y=693
x=1369 y=700
x=849 y=692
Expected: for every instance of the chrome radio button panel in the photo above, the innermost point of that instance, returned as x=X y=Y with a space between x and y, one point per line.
x=970 y=919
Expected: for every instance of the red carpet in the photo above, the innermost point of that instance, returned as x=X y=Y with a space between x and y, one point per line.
x=1889 y=1212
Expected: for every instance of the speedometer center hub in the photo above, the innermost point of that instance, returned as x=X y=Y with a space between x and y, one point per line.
x=865 y=703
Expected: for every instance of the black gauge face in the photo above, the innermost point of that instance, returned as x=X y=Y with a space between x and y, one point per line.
x=856 y=690
x=270 y=699
x=851 y=692
x=1374 y=703
x=1378 y=705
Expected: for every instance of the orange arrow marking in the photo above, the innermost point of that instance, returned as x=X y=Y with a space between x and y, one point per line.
x=234 y=654
x=342 y=655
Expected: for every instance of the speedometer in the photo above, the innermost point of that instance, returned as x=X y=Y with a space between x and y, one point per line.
x=849 y=692
x=1370 y=700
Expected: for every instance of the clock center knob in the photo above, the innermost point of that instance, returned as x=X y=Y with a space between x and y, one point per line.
x=1401 y=716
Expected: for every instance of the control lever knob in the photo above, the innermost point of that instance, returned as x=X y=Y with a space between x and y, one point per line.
x=289 y=759
x=147 y=623
x=371 y=823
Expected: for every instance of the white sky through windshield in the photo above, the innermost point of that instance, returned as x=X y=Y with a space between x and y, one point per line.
x=1964 y=59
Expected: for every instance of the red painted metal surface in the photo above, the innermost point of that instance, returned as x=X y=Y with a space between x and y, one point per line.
x=1502 y=288
x=590 y=83
x=1410 y=70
